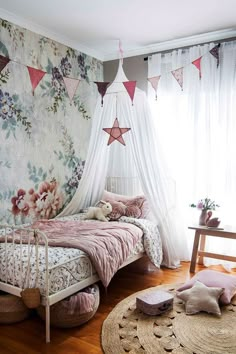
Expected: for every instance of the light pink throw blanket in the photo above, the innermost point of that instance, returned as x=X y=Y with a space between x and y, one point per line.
x=108 y=244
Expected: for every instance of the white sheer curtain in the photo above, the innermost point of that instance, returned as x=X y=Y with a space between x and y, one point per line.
x=196 y=128
x=140 y=158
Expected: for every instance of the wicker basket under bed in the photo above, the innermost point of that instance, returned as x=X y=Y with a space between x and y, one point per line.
x=12 y=309
x=59 y=317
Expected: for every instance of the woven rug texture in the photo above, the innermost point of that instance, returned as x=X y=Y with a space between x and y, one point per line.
x=128 y=330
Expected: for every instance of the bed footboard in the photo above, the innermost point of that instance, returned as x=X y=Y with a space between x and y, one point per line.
x=22 y=244
x=19 y=267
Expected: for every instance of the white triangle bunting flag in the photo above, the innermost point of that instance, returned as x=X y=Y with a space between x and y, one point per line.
x=71 y=86
x=178 y=75
x=154 y=82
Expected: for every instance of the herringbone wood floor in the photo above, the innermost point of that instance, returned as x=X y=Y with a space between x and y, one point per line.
x=28 y=337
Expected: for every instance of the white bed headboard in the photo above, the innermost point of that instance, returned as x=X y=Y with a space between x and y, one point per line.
x=124 y=185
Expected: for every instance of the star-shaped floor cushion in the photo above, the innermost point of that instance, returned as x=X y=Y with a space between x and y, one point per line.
x=201 y=298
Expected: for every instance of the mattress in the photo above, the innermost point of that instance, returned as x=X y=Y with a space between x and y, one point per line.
x=67 y=266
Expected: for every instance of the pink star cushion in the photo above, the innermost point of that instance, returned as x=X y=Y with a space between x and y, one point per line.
x=201 y=298
x=137 y=207
x=217 y=279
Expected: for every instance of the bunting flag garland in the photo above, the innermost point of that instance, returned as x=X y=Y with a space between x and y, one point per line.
x=197 y=63
x=3 y=62
x=215 y=52
x=116 y=133
x=36 y=76
x=178 y=75
x=71 y=86
x=154 y=82
x=130 y=87
x=102 y=88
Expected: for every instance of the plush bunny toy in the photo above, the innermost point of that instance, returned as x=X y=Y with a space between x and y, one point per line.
x=99 y=213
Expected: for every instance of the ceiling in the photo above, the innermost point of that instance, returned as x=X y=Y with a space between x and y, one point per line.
x=143 y=26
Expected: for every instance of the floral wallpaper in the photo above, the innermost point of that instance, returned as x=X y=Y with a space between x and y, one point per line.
x=43 y=136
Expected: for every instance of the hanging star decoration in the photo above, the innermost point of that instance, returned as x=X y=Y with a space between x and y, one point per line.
x=116 y=133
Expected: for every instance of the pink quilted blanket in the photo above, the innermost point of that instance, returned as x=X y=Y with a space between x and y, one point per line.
x=108 y=244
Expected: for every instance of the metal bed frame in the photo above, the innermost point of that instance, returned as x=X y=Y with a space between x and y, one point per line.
x=19 y=236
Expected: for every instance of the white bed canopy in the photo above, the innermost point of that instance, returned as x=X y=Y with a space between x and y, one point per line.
x=139 y=160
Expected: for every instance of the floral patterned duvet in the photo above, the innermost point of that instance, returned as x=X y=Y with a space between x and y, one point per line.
x=68 y=265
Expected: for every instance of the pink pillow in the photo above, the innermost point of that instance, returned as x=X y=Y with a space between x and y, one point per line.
x=212 y=278
x=118 y=210
x=137 y=207
x=134 y=207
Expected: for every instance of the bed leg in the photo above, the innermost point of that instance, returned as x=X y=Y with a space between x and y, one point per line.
x=47 y=323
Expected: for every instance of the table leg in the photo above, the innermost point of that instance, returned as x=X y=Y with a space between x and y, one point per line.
x=195 y=251
x=202 y=248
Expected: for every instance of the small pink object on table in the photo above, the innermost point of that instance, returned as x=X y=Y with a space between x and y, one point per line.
x=155 y=302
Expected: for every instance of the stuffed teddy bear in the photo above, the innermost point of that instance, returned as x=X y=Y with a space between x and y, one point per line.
x=99 y=212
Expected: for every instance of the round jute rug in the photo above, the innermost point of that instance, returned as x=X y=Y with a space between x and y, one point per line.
x=128 y=330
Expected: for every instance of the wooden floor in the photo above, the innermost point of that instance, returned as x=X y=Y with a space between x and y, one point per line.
x=28 y=337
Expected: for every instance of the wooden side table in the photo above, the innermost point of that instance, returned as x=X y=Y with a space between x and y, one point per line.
x=200 y=236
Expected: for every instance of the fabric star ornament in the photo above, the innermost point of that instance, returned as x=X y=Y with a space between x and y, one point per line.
x=201 y=298
x=116 y=133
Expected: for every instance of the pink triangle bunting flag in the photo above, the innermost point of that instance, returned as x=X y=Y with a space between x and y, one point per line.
x=116 y=133
x=215 y=52
x=178 y=75
x=71 y=86
x=102 y=88
x=3 y=62
x=197 y=63
x=154 y=82
x=130 y=87
x=36 y=76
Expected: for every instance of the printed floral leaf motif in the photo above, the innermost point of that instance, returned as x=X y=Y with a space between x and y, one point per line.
x=36 y=175
x=72 y=162
x=81 y=107
x=5 y=164
x=83 y=68
x=3 y=50
x=49 y=67
x=71 y=53
x=4 y=76
x=6 y=195
x=11 y=114
x=57 y=90
x=65 y=66
x=42 y=41
x=15 y=98
x=15 y=33
x=45 y=202
x=48 y=84
x=5 y=125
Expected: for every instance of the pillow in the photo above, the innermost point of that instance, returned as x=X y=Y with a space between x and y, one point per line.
x=217 y=279
x=201 y=298
x=134 y=207
x=118 y=210
x=137 y=206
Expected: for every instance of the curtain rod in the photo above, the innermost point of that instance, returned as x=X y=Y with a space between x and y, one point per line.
x=188 y=46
